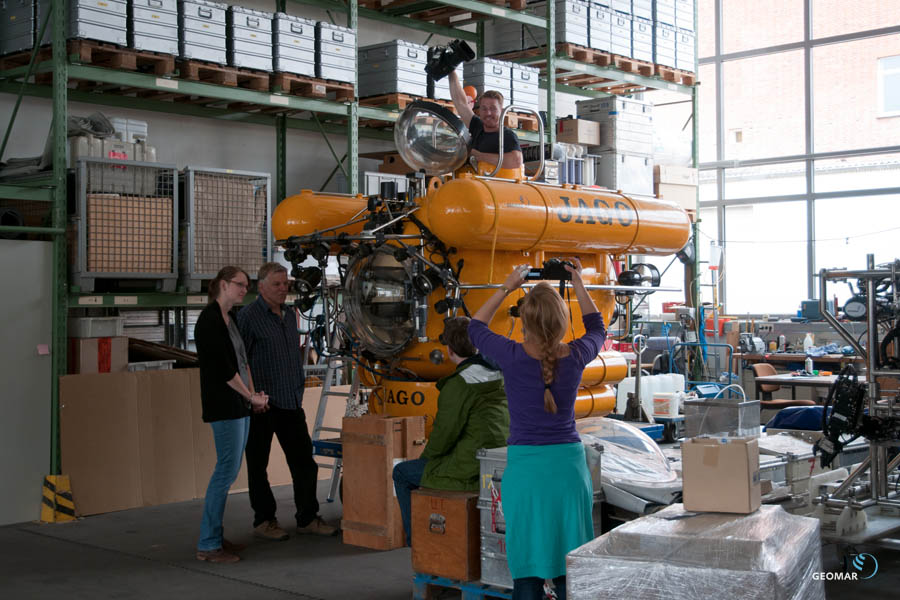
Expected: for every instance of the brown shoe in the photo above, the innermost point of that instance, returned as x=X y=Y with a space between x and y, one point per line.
x=269 y=530
x=232 y=547
x=217 y=556
x=318 y=527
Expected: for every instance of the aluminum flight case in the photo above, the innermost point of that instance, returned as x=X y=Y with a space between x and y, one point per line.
x=17 y=25
x=525 y=90
x=335 y=52
x=201 y=31
x=101 y=20
x=153 y=25
x=294 y=45
x=600 y=27
x=393 y=67
x=249 y=40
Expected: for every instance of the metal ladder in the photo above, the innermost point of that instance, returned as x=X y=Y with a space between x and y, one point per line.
x=331 y=447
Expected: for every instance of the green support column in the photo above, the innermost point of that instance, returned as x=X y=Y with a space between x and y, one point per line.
x=551 y=72
x=353 y=120
x=695 y=162
x=280 y=158
x=60 y=271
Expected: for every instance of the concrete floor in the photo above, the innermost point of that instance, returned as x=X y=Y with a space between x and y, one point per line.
x=149 y=553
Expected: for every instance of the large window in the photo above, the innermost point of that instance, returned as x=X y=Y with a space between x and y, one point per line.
x=799 y=144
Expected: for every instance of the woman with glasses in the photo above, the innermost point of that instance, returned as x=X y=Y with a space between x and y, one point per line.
x=228 y=397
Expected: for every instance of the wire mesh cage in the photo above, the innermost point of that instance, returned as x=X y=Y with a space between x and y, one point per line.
x=124 y=226
x=225 y=222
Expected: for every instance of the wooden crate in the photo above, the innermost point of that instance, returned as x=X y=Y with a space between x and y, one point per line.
x=371 y=444
x=445 y=536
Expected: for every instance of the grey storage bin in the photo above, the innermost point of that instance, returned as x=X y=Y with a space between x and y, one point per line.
x=93 y=327
x=629 y=173
x=395 y=67
x=225 y=221
x=623 y=135
x=684 y=15
x=685 y=52
x=721 y=418
x=642 y=39
x=335 y=52
x=664 y=45
x=571 y=21
x=120 y=233
x=620 y=34
x=104 y=21
x=249 y=40
x=525 y=90
x=501 y=35
x=202 y=31
x=664 y=12
x=489 y=74
x=642 y=9
x=621 y=6
x=600 y=27
x=600 y=109
x=153 y=25
x=294 y=45
x=17 y=25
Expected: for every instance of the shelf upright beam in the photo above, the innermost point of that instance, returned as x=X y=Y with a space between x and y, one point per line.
x=550 y=126
x=58 y=219
x=280 y=142
x=353 y=118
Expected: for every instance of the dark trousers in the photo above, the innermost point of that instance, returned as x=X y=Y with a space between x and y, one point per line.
x=532 y=588
x=290 y=428
x=408 y=477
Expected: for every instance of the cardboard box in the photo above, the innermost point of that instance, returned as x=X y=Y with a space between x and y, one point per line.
x=372 y=445
x=684 y=196
x=686 y=176
x=721 y=474
x=578 y=131
x=445 y=538
x=98 y=355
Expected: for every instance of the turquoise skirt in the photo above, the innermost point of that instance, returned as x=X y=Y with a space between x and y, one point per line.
x=547 y=500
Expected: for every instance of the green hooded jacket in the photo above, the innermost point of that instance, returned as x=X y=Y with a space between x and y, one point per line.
x=472 y=413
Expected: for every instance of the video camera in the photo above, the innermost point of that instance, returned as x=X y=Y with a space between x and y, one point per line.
x=553 y=270
x=443 y=59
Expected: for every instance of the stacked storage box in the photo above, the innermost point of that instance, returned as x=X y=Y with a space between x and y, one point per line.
x=664 y=44
x=684 y=15
x=621 y=6
x=489 y=74
x=525 y=89
x=620 y=34
x=153 y=25
x=335 y=52
x=571 y=23
x=642 y=9
x=294 y=45
x=600 y=25
x=201 y=31
x=664 y=12
x=501 y=35
x=249 y=38
x=17 y=25
x=395 y=67
x=685 y=53
x=440 y=90
x=626 y=142
x=102 y=20
x=642 y=39
x=225 y=222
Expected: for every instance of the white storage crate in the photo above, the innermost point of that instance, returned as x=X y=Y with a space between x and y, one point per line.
x=151 y=365
x=621 y=6
x=600 y=27
x=525 y=86
x=642 y=39
x=101 y=20
x=335 y=52
x=132 y=131
x=664 y=45
x=395 y=67
x=502 y=35
x=684 y=15
x=642 y=9
x=664 y=12
x=489 y=74
x=571 y=21
x=629 y=173
x=249 y=39
x=93 y=327
x=685 y=52
x=153 y=25
x=294 y=45
x=202 y=31
x=620 y=36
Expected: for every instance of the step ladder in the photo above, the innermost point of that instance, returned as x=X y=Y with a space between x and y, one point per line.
x=331 y=446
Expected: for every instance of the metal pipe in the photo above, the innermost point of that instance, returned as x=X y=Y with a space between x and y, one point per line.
x=614 y=288
x=27 y=229
x=872 y=348
x=860 y=469
x=850 y=339
x=893 y=464
x=394 y=220
x=834 y=503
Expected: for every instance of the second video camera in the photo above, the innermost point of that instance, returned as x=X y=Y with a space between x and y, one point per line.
x=443 y=59
x=553 y=270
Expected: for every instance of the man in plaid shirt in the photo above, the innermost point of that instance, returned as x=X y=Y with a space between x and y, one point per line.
x=269 y=329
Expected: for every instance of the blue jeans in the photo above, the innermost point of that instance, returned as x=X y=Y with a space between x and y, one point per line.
x=407 y=477
x=230 y=437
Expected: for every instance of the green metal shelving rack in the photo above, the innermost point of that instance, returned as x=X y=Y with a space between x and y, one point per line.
x=52 y=189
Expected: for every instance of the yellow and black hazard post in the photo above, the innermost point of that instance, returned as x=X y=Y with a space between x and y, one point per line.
x=57 y=505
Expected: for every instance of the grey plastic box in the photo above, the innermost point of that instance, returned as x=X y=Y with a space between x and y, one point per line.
x=642 y=9
x=501 y=35
x=600 y=27
x=153 y=25
x=294 y=45
x=664 y=12
x=642 y=39
x=621 y=6
x=721 y=418
x=17 y=25
x=249 y=38
x=393 y=67
x=664 y=45
x=335 y=52
x=684 y=15
x=620 y=35
x=202 y=31
x=489 y=74
x=601 y=109
x=571 y=20
x=631 y=173
x=525 y=87
x=685 y=53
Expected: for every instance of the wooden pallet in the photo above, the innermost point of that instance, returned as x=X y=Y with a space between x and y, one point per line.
x=100 y=54
x=523 y=121
x=430 y=587
x=676 y=75
x=310 y=87
x=205 y=72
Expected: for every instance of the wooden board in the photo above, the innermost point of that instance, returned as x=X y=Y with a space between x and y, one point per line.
x=445 y=537
x=205 y=72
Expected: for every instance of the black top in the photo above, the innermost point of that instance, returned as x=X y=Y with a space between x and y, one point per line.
x=218 y=365
x=490 y=142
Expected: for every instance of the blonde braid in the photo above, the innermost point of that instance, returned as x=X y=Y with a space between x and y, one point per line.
x=548 y=370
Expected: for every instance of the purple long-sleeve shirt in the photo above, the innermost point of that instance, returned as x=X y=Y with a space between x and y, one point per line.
x=529 y=423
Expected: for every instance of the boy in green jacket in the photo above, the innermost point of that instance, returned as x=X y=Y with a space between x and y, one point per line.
x=472 y=413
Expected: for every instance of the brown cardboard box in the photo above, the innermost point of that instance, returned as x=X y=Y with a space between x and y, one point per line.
x=578 y=131
x=684 y=196
x=371 y=446
x=98 y=355
x=445 y=537
x=721 y=474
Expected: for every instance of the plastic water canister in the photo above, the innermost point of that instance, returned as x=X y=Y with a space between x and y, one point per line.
x=807 y=342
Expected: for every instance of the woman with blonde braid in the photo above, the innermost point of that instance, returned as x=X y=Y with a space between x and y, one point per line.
x=547 y=494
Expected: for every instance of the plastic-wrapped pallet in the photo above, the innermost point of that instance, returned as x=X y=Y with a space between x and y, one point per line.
x=335 y=52
x=600 y=26
x=766 y=555
x=153 y=25
x=395 y=67
x=201 y=31
x=489 y=74
x=294 y=45
x=249 y=38
x=571 y=22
